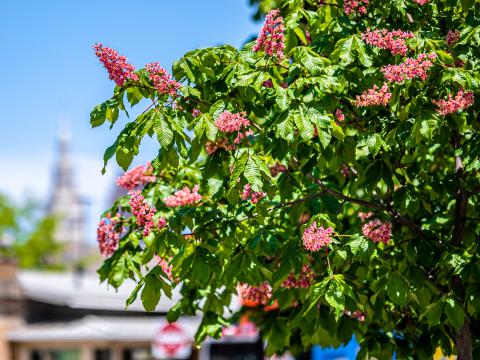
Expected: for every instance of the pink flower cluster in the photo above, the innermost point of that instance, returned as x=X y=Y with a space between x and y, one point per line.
x=357 y=315
x=350 y=6
x=452 y=37
x=142 y=211
x=117 y=67
x=374 y=97
x=375 y=229
x=162 y=80
x=162 y=223
x=212 y=147
x=303 y=280
x=254 y=197
x=228 y=122
x=345 y=170
x=409 y=69
x=277 y=169
x=196 y=113
x=389 y=40
x=271 y=38
x=136 y=177
x=421 y=2
x=461 y=101
x=339 y=115
x=183 y=197
x=108 y=234
x=258 y=294
x=314 y=238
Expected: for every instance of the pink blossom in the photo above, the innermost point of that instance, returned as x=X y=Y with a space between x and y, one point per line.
x=375 y=229
x=258 y=294
x=268 y=83
x=184 y=197
x=211 y=147
x=339 y=115
x=142 y=211
x=365 y=216
x=136 y=177
x=271 y=38
x=357 y=315
x=162 y=80
x=351 y=6
x=254 y=197
x=409 y=69
x=277 y=169
x=374 y=97
x=228 y=122
x=242 y=135
x=117 y=67
x=196 y=113
x=389 y=40
x=302 y=280
x=108 y=234
x=314 y=238
x=162 y=223
x=345 y=170
x=452 y=37
x=421 y=2
x=460 y=102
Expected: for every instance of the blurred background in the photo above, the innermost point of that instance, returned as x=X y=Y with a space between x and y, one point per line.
x=52 y=305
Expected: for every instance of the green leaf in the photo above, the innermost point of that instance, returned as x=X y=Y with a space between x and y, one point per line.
x=151 y=293
x=363 y=57
x=304 y=126
x=239 y=169
x=282 y=99
x=124 y=157
x=335 y=297
x=324 y=138
x=211 y=130
x=397 y=289
x=134 y=294
x=434 y=312
x=344 y=48
x=98 y=115
x=454 y=312
x=134 y=95
x=252 y=174
x=163 y=130
x=285 y=128
x=199 y=127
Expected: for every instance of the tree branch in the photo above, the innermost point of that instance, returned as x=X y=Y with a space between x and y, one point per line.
x=371 y=205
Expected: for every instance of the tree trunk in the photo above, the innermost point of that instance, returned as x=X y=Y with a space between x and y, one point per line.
x=463 y=342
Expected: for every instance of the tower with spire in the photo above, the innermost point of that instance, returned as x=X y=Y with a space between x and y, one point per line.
x=66 y=204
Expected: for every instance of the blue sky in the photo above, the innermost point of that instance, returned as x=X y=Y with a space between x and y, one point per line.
x=51 y=76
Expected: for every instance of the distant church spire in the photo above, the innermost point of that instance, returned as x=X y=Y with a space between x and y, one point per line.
x=66 y=204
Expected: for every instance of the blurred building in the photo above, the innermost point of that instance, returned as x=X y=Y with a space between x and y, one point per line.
x=67 y=205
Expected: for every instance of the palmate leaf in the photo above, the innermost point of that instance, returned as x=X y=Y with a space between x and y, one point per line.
x=238 y=169
x=305 y=127
x=252 y=174
x=285 y=127
x=362 y=55
x=344 y=50
x=162 y=129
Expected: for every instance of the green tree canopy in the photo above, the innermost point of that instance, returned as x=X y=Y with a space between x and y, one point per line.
x=328 y=173
x=28 y=236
